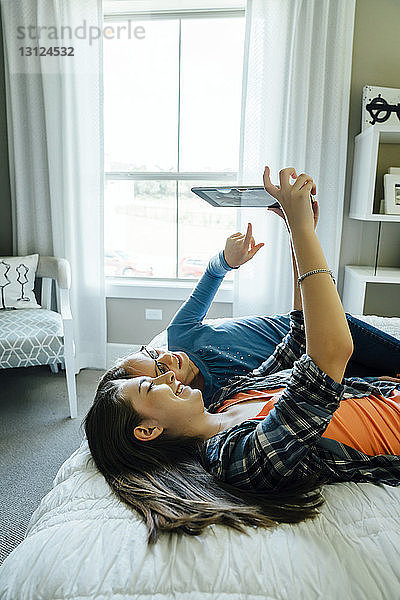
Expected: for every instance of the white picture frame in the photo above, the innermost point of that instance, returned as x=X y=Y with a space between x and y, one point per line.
x=391 y=184
x=385 y=97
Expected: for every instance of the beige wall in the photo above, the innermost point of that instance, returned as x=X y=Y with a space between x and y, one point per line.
x=376 y=61
x=127 y=324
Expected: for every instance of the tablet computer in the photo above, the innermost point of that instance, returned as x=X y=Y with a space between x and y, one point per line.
x=236 y=196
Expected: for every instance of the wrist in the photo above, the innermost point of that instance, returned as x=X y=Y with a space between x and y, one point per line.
x=299 y=231
x=225 y=263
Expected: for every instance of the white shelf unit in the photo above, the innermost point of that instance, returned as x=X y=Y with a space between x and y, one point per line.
x=362 y=205
x=355 y=284
x=364 y=172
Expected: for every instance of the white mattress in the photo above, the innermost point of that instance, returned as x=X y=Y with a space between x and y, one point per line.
x=390 y=325
x=83 y=543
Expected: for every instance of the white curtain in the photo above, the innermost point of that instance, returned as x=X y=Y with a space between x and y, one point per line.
x=295 y=109
x=54 y=116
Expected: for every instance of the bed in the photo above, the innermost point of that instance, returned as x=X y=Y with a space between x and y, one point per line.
x=82 y=543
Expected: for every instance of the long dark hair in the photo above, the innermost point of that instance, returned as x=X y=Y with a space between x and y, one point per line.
x=166 y=479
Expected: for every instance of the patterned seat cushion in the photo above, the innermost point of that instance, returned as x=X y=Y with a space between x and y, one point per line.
x=30 y=337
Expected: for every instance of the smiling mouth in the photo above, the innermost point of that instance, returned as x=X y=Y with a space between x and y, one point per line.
x=179 y=389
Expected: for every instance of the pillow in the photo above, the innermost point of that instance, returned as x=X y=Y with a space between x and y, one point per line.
x=17 y=278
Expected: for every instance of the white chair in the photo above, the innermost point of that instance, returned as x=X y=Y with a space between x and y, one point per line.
x=30 y=337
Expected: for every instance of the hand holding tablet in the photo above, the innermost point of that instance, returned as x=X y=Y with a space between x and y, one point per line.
x=243 y=196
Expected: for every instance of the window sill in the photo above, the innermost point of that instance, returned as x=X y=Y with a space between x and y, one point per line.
x=147 y=289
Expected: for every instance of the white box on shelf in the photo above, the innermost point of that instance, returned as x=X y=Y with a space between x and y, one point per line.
x=392 y=194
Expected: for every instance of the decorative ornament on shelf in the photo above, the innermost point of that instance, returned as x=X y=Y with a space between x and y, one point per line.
x=380 y=105
x=391 y=184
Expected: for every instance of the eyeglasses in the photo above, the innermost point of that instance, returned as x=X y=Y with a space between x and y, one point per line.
x=161 y=368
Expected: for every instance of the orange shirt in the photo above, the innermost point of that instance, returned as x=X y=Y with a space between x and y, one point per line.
x=370 y=424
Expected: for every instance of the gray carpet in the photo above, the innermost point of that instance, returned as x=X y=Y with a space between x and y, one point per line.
x=36 y=437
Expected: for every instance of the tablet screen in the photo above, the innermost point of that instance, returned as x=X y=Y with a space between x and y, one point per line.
x=238 y=197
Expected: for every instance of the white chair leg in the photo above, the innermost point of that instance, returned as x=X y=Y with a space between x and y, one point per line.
x=54 y=368
x=70 y=367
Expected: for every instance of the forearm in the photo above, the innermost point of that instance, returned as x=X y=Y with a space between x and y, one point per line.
x=297 y=303
x=197 y=305
x=328 y=338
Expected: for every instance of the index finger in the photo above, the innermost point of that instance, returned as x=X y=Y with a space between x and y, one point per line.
x=248 y=235
x=284 y=175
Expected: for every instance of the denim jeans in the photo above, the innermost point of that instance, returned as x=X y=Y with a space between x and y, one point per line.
x=375 y=352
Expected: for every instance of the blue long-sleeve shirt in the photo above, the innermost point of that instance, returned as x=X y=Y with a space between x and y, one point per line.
x=225 y=350
x=287 y=445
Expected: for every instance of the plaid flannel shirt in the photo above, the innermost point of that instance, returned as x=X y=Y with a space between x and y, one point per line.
x=286 y=446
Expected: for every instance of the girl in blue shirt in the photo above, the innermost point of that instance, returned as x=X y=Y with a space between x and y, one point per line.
x=206 y=355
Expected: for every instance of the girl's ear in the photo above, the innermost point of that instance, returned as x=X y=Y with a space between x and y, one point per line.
x=145 y=433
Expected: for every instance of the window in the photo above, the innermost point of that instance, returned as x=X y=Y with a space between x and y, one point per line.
x=172 y=122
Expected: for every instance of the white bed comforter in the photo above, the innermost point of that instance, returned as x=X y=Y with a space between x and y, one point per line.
x=82 y=543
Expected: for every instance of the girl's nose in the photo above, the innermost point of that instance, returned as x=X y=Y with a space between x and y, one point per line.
x=165 y=357
x=168 y=377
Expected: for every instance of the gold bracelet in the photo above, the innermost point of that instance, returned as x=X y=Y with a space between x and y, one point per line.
x=300 y=279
